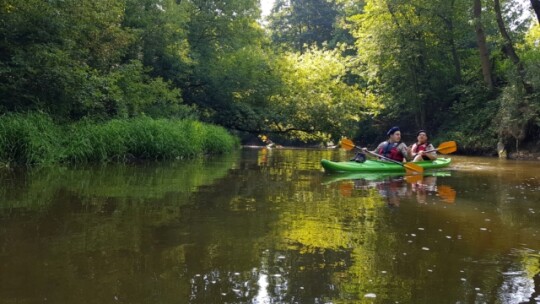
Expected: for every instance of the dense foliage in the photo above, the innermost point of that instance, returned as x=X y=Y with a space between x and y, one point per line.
x=423 y=60
x=314 y=70
x=37 y=139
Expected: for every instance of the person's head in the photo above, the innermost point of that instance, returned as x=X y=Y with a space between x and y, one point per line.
x=422 y=137
x=394 y=134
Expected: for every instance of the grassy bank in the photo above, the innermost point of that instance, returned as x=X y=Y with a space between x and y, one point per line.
x=37 y=139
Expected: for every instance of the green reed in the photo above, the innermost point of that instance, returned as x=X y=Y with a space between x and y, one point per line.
x=28 y=138
x=36 y=139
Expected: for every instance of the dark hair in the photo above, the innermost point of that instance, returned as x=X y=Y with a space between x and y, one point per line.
x=392 y=130
x=422 y=131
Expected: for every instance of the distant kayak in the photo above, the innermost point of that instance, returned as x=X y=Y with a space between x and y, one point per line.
x=379 y=166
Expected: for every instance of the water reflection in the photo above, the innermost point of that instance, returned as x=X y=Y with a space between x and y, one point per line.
x=395 y=187
x=268 y=226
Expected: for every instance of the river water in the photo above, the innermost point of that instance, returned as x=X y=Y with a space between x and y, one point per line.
x=269 y=226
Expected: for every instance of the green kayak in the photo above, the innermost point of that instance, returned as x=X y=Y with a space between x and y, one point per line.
x=379 y=166
x=378 y=176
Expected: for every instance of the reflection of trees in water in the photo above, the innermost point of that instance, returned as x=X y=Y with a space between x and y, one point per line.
x=311 y=232
x=35 y=188
x=259 y=231
x=511 y=199
x=281 y=277
x=100 y=233
x=483 y=277
x=512 y=194
x=521 y=282
x=490 y=279
x=338 y=245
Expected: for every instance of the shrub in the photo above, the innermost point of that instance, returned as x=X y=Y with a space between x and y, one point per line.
x=29 y=139
x=35 y=138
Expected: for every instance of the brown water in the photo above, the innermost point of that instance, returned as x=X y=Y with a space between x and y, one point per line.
x=270 y=227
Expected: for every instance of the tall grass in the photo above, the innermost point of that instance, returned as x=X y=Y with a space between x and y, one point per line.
x=28 y=139
x=35 y=138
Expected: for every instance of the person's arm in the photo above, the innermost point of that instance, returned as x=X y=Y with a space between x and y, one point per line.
x=431 y=155
x=379 y=147
x=411 y=152
x=402 y=148
x=376 y=149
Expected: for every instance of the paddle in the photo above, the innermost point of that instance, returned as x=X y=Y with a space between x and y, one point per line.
x=413 y=179
x=446 y=147
x=346 y=189
x=348 y=144
x=447 y=194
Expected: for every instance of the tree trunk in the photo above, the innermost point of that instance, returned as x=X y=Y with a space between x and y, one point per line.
x=536 y=7
x=455 y=57
x=508 y=48
x=457 y=63
x=482 y=46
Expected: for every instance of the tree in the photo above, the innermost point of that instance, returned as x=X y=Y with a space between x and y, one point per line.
x=405 y=54
x=231 y=76
x=482 y=45
x=508 y=47
x=535 y=4
x=161 y=43
x=315 y=102
x=297 y=24
x=63 y=57
x=519 y=113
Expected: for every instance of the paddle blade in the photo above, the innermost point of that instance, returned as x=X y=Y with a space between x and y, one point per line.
x=447 y=147
x=413 y=167
x=447 y=194
x=346 y=189
x=347 y=144
x=413 y=179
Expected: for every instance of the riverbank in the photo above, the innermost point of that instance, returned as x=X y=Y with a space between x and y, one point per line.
x=528 y=151
x=37 y=139
x=524 y=155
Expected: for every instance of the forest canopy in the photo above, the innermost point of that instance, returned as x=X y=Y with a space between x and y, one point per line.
x=311 y=71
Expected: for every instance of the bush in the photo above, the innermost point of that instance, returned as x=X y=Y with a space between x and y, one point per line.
x=145 y=138
x=36 y=139
x=28 y=139
x=470 y=121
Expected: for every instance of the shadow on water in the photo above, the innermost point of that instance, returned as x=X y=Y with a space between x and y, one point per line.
x=268 y=226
